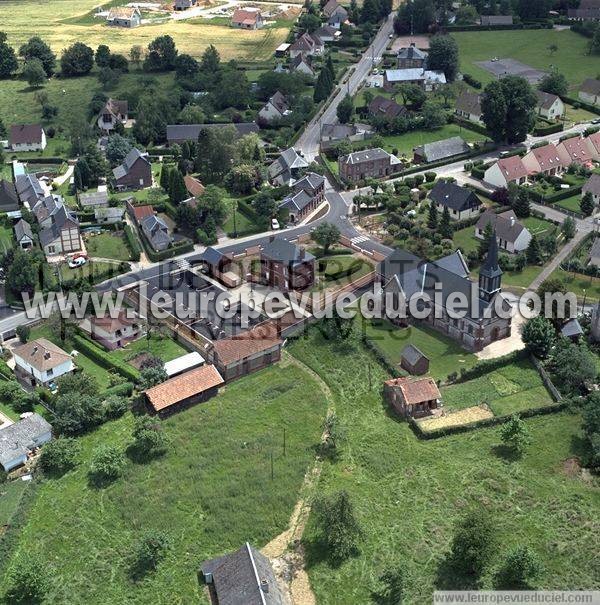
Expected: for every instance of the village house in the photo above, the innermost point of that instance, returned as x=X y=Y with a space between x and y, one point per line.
x=9 y=200
x=62 y=235
x=177 y=134
x=194 y=188
x=113 y=113
x=27 y=137
x=440 y=150
x=412 y=397
x=327 y=33
x=181 y=5
x=108 y=216
x=45 y=208
x=370 y=163
x=588 y=10
x=411 y=57
x=493 y=20
x=307 y=194
x=247 y=18
x=461 y=202
x=138 y=213
x=334 y=133
x=114 y=333
x=184 y=390
x=429 y=80
x=335 y=14
x=306 y=44
x=386 y=108
x=593 y=144
x=41 y=362
x=156 y=232
x=506 y=171
x=300 y=65
x=413 y=360
x=124 y=16
x=403 y=275
x=134 y=173
x=549 y=106
x=243 y=577
x=285 y=266
x=544 y=160
x=468 y=107
x=29 y=189
x=23 y=235
x=93 y=199
x=219 y=266
x=592 y=186
x=590 y=92
x=276 y=108
x=513 y=236
x=287 y=168
x=19 y=439
x=574 y=151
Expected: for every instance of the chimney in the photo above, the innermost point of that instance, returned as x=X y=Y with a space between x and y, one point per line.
x=412 y=44
x=512 y=221
x=271 y=238
x=302 y=253
x=264 y=585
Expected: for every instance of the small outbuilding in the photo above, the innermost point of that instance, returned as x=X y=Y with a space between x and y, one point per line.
x=181 y=364
x=412 y=397
x=572 y=330
x=19 y=439
x=413 y=360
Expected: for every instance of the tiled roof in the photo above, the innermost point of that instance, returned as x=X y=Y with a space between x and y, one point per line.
x=112 y=324
x=253 y=342
x=576 y=149
x=41 y=354
x=141 y=212
x=246 y=16
x=547 y=157
x=184 y=386
x=592 y=185
x=25 y=133
x=193 y=186
x=512 y=168
x=416 y=390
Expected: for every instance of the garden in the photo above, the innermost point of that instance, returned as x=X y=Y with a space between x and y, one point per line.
x=108 y=244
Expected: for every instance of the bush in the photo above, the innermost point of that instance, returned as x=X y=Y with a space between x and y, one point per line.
x=132 y=243
x=430 y=176
x=27 y=581
x=148 y=552
x=108 y=464
x=60 y=456
x=114 y=406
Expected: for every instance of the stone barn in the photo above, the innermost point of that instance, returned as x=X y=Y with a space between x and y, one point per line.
x=412 y=397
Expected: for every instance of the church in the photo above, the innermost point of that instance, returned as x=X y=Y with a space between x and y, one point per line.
x=402 y=276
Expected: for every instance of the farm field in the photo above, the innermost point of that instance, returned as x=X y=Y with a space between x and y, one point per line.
x=62 y=22
x=408 y=493
x=212 y=491
x=529 y=47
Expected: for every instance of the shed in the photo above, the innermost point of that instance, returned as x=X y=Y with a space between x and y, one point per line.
x=18 y=439
x=182 y=364
x=413 y=360
x=572 y=330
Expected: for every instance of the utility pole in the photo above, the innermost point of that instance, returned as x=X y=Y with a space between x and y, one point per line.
x=284 y=441
x=272 y=472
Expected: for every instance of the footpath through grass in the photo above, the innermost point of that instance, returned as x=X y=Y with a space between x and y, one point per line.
x=409 y=493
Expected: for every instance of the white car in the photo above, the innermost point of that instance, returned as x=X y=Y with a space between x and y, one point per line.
x=78 y=261
x=274 y=224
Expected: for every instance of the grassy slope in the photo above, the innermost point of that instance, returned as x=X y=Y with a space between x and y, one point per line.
x=529 y=47
x=211 y=492
x=408 y=493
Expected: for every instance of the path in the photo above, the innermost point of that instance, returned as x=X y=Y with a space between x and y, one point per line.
x=59 y=180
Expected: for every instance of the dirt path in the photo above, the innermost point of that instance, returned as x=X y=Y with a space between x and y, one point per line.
x=288 y=563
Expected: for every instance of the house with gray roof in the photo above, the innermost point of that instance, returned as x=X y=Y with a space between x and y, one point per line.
x=276 y=108
x=301 y=65
x=93 y=199
x=287 y=168
x=108 y=216
x=369 y=163
x=306 y=196
x=440 y=150
x=468 y=107
x=156 y=232
x=62 y=234
x=410 y=57
x=595 y=253
x=134 y=173
x=244 y=577
x=461 y=201
x=549 y=106
x=427 y=79
x=180 y=133
x=285 y=266
x=572 y=330
x=513 y=236
x=23 y=234
x=18 y=440
x=492 y=20
x=413 y=360
x=592 y=185
x=589 y=92
x=334 y=133
x=9 y=200
x=29 y=189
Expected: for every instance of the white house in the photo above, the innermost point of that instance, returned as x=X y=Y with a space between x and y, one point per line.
x=276 y=108
x=468 y=107
x=590 y=92
x=20 y=438
x=124 y=16
x=41 y=362
x=27 y=137
x=505 y=171
x=549 y=106
x=512 y=236
x=114 y=333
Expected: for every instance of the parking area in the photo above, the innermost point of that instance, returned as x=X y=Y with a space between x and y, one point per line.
x=511 y=67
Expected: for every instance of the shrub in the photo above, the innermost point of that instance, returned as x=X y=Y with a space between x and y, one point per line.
x=148 y=552
x=27 y=581
x=108 y=464
x=60 y=456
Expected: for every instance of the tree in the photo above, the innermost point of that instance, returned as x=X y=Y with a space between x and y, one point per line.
x=520 y=569
x=411 y=94
x=573 y=366
x=108 y=77
x=161 y=55
x=27 y=581
x=393 y=586
x=473 y=543
x=326 y=234
x=554 y=83
x=186 y=66
x=370 y=11
x=36 y=48
x=136 y=53
x=165 y=177
x=8 y=58
x=534 y=251
x=192 y=114
x=23 y=333
x=336 y=327
x=595 y=43
x=443 y=56
x=432 y=216
x=60 y=456
x=77 y=60
x=117 y=148
x=210 y=61
x=149 y=439
x=22 y=274
x=445 y=226
x=150 y=549
x=75 y=413
x=568 y=228
x=150 y=377
x=587 y=205
x=553 y=49
x=108 y=463
x=334 y=432
x=484 y=244
x=591 y=428
x=338 y=525
x=521 y=204
x=345 y=109
x=309 y=22
x=493 y=108
x=539 y=336
x=323 y=86
x=102 y=57
x=515 y=435
x=78 y=383
x=414 y=16
x=466 y=15
x=33 y=72
x=432 y=115
x=177 y=189
x=265 y=205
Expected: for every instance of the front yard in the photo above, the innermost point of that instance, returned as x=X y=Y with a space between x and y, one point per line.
x=109 y=244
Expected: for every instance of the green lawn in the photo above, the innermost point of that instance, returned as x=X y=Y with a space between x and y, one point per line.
x=409 y=493
x=211 y=492
x=6 y=238
x=465 y=240
x=159 y=346
x=576 y=116
x=96 y=269
x=529 y=47
x=342 y=262
x=10 y=496
x=538 y=226
x=108 y=245
x=513 y=388
x=571 y=203
x=521 y=279
x=445 y=355
x=581 y=285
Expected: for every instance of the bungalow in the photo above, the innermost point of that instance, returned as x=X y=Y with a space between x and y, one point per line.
x=327 y=33
x=134 y=173
x=287 y=168
x=243 y=577
x=574 y=151
x=544 y=160
x=493 y=20
x=386 y=108
x=108 y=216
x=9 y=200
x=124 y=16
x=113 y=113
x=468 y=107
x=412 y=397
x=247 y=18
x=592 y=186
x=306 y=196
x=114 y=333
x=41 y=362
x=300 y=65
x=549 y=106
x=413 y=360
x=590 y=92
x=62 y=234
x=506 y=171
x=411 y=57
x=370 y=163
x=440 y=150
x=27 y=137
x=19 y=439
x=93 y=199
x=334 y=133
x=285 y=266
x=275 y=109
x=306 y=44
x=23 y=235
x=184 y=390
x=512 y=236
x=461 y=202
x=180 y=133
x=156 y=232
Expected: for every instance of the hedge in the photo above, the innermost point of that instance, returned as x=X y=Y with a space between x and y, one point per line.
x=122 y=390
x=563 y=194
x=40 y=160
x=542 y=131
x=489 y=365
x=479 y=128
x=587 y=106
x=482 y=28
x=132 y=243
x=104 y=359
x=380 y=357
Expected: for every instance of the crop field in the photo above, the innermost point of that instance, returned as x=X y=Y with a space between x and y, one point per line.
x=63 y=22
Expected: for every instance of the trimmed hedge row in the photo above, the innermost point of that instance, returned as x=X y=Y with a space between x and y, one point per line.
x=490 y=365
x=104 y=359
x=587 y=106
x=470 y=125
x=122 y=390
x=485 y=28
x=542 y=131
x=132 y=243
x=563 y=194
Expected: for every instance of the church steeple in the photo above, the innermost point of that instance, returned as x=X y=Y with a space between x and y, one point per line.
x=490 y=274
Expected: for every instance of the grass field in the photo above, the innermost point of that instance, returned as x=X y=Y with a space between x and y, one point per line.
x=211 y=492
x=529 y=47
x=10 y=496
x=508 y=390
x=6 y=238
x=164 y=347
x=581 y=285
x=408 y=493
x=108 y=245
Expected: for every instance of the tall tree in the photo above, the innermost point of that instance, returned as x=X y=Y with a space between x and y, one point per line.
x=102 y=56
x=432 y=216
x=77 y=60
x=539 y=336
x=8 y=58
x=473 y=543
x=534 y=251
x=554 y=83
x=323 y=86
x=36 y=48
x=161 y=55
x=338 y=524
x=370 y=11
x=443 y=56
x=445 y=227
x=177 y=189
x=345 y=109
x=33 y=72
x=587 y=204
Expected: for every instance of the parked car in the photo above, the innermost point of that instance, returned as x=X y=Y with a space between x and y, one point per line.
x=274 y=224
x=77 y=261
